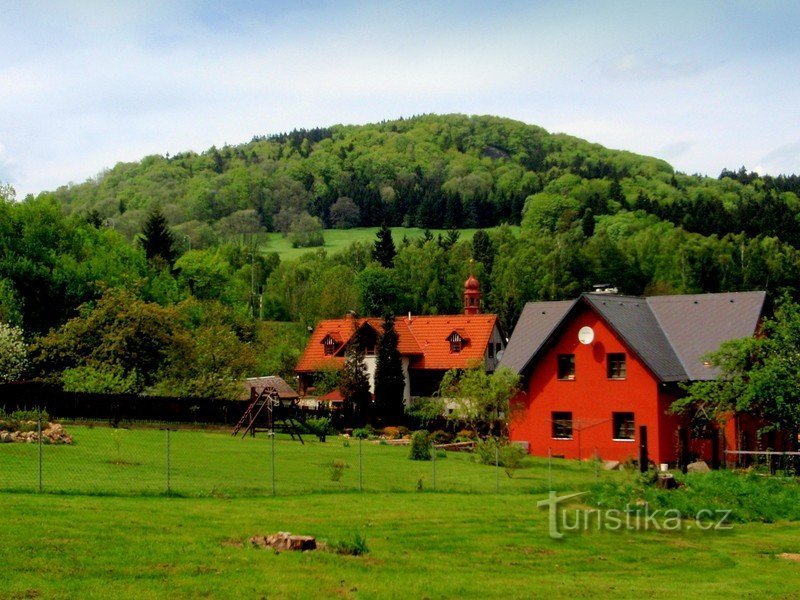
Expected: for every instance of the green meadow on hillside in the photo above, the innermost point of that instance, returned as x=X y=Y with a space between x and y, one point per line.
x=338 y=239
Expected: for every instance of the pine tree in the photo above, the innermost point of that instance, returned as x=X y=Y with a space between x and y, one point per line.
x=450 y=240
x=483 y=250
x=389 y=379
x=384 y=251
x=157 y=239
x=587 y=223
x=354 y=383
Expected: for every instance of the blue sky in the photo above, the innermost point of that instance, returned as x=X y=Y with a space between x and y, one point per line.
x=85 y=84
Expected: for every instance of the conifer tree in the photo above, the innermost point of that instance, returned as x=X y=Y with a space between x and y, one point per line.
x=354 y=382
x=389 y=379
x=384 y=250
x=157 y=239
x=483 y=250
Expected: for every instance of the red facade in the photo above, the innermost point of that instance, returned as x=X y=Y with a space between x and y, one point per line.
x=594 y=401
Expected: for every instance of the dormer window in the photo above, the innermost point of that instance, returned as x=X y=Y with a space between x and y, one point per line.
x=457 y=341
x=330 y=344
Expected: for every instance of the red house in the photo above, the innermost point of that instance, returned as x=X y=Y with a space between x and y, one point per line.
x=429 y=345
x=596 y=368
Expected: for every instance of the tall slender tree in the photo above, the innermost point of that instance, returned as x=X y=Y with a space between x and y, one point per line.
x=157 y=239
x=384 y=250
x=389 y=379
x=483 y=250
x=354 y=382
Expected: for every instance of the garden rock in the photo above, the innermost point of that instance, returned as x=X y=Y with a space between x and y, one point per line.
x=699 y=466
x=284 y=540
x=611 y=465
x=53 y=433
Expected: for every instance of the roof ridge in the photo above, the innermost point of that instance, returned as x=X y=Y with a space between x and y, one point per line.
x=669 y=340
x=646 y=359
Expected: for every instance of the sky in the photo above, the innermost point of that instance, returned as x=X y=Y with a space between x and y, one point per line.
x=86 y=84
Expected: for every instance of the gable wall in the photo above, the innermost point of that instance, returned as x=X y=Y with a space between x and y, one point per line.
x=591 y=397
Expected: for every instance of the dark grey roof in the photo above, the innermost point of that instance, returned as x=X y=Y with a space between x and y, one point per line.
x=535 y=325
x=697 y=324
x=670 y=334
x=634 y=322
x=259 y=383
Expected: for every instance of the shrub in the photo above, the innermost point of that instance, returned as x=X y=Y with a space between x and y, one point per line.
x=336 y=469
x=465 y=435
x=420 y=446
x=486 y=451
x=319 y=426
x=441 y=437
x=362 y=433
x=22 y=420
x=507 y=455
x=511 y=456
x=355 y=545
x=392 y=433
x=29 y=415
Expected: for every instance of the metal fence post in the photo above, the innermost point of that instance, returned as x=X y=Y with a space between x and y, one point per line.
x=433 y=456
x=272 y=435
x=360 y=467
x=168 y=463
x=39 y=432
x=596 y=464
x=497 y=467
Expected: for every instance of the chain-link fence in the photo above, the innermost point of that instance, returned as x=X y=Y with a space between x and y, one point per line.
x=151 y=459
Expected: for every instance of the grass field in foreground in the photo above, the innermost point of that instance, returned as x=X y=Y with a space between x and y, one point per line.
x=467 y=542
x=422 y=545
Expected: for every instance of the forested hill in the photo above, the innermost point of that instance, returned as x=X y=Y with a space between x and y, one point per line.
x=427 y=171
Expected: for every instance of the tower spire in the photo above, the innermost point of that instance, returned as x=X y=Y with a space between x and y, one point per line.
x=472 y=293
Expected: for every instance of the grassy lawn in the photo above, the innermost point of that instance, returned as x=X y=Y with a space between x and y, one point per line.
x=212 y=463
x=452 y=544
x=339 y=239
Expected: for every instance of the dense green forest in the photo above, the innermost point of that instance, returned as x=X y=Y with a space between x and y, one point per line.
x=73 y=264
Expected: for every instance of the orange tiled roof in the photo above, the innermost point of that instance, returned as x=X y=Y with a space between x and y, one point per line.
x=423 y=339
x=432 y=332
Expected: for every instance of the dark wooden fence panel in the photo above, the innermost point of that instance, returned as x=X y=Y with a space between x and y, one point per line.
x=119 y=407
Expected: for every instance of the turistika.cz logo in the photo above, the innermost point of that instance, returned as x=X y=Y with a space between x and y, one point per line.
x=636 y=518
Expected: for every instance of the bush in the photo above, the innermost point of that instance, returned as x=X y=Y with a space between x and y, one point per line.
x=441 y=437
x=511 y=456
x=306 y=231
x=507 y=455
x=465 y=435
x=392 y=433
x=320 y=427
x=22 y=420
x=362 y=433
x=336 y=469
x=420 y=446
x=355 y=545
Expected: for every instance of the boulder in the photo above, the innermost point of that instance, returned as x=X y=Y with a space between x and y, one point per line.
x=611 y=465
x=284 y=540
x=699 y=466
